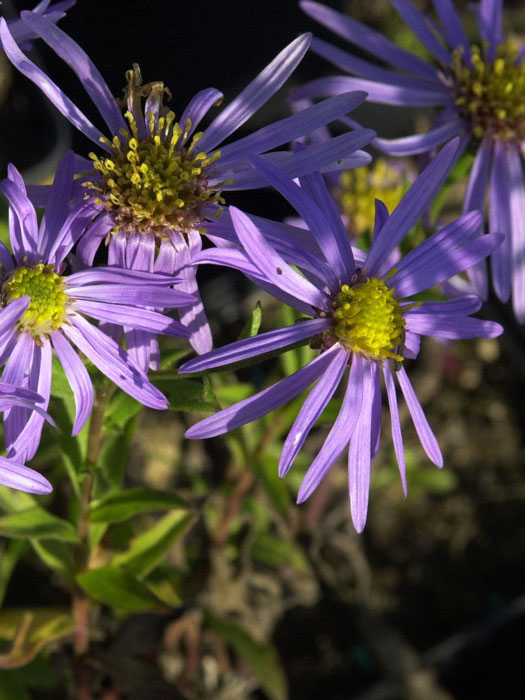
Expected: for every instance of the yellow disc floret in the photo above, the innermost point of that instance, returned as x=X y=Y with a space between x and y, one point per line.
x=47 y=309
x=368 y=319
x=157 y=183
x=490 y=95
x=359 y=188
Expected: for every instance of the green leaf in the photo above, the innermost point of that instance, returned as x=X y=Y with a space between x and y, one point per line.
x=30 y=630
x=268 y=477
x=125 y=504
x=117 y=588
x=253 y=324
x=12 y=501
x=232 y=393
x=184 y=394
x=57 y=556
x=149 y=548
x=11 y=553
x=121 y=409
x=114 y=456
x=37 y=523
x=276 y=552
x=261 y=658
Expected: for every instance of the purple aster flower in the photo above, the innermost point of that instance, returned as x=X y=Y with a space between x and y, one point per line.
x=157 y=179
x=46 y=309
x=481 y=92
x=362 y=316
x=13 y=474
x=23 y=34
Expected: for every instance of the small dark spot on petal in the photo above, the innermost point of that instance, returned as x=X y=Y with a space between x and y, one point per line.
x=279 y=271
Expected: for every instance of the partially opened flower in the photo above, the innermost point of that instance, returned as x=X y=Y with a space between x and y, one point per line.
x=480 y=89
x=362 y=318
x=12 y=473
x=45 y=309
x=156 y=179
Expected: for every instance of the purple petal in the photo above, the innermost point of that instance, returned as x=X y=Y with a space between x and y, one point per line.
x=141 y=319
x=491 y=24
x=500 y=222
x=115 y=275
x=48 y=87
x=413 y=204
x=23 y=222
x=93 y=237
x=516 y=197
x=424 y=431
x=397 y=437
x=255 y=94
x=314 y=405
x=131 y=294
x=453 y=327
x=418 y=23
x=18 y=476
x=451 y=24
x=114 y=362
x=199 y=106
x=340 y=433
x=368 y=39
x=360 y=449
x=11 y=313
x=78 y=378
x=264 y=402
x=272 y=265
x=93 y=82
x=291 y=128
x=59 y=195
x=421 y=143
x=462 y=306
x=382 y=93
x=258 y=345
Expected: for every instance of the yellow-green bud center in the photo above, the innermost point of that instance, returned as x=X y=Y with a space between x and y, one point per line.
x=359 y=188
x=490 y=95
x=47 y=310
x=369 y=320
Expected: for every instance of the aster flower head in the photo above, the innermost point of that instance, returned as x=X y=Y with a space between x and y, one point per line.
x=362 y=317
x=45 y=309
x=159 y=179
x=480 y=90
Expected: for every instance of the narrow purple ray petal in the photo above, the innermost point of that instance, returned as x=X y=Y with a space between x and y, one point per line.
x=258 y=345
x=114 y=362
x=272 y=265
x=48 y=87
x=491 y=24
x=334 y=242
x=60 y=243
x=115 y=275
x=95 y=233
x=18 y=476
x=516 y=196
x=413 y=204
x=142 y=319
x=78 y=378
x=382 y=93
x=11 y=313
x=6 y=259
x=255 y=94
x=397 y=437
x=377 y=415
x=412 y=345
x=59 y=195
x=313 y=406
x=127 y=294
x=264 y=402
x=462 y=306
x=366 y=38
x=453 y=327
x=421 y=143
x=500 y=222
x=475 y=199
x=92 y=80
x=424 y=431
x=340 y=433
x=336 y=154
x=417 y=22
x=24 y=234
x=360 y=450
x=452 y=27
x=193 y=316
x=381 y=216
x=19 y=361
x=290 y=128
x=365 y=69
x=198 y=107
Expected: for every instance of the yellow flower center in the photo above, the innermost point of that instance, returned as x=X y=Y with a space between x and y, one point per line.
x=490 y=95
x=369 y=320
x=359 y=188
x=159 y=183
x=47 y=309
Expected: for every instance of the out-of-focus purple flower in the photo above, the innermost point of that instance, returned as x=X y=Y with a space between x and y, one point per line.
x=23 y=34
x=44 y=309
x=156 y=179
x=481 y=92
x=362 y=318
x=13 y=474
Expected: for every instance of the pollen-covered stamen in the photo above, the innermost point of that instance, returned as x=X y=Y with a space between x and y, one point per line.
x=368 y=319
x=47 y=309
x=157 y=183
x=359 y=188
x=490 y=95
